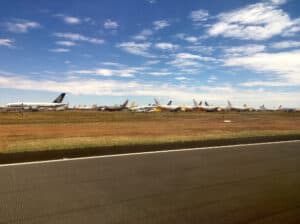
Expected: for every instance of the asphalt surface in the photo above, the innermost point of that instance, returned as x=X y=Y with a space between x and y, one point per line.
x=245 y=184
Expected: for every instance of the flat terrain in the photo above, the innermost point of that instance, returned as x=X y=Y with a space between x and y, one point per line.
x=244 y=184
x=38 y=131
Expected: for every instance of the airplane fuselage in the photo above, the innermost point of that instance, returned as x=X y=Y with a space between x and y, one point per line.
x=35 y=105
x=171 y=108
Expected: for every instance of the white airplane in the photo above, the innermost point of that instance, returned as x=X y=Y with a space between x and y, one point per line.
x=85 y=107
x=262 y=108
x=144 y=108
x=166 y=107
x=208 y=108
x=56 y=104
x=286 y=109
x=187 y=108
x=265 y=109
x=196 y=106
x=244 y=108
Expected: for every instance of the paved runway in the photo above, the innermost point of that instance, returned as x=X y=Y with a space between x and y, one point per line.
x=245 y=184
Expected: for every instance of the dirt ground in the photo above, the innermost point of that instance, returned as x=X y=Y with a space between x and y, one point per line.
x=59 y=125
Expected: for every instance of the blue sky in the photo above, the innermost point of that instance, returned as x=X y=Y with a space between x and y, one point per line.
x=102 y=52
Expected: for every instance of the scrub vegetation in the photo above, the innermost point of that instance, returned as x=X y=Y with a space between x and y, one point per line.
x=39 y=131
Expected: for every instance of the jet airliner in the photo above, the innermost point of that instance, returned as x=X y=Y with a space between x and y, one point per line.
x=55 y=104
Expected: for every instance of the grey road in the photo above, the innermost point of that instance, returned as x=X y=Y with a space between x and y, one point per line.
x=246 y=184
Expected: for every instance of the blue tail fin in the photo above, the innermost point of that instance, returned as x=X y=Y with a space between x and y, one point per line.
x=60 y=98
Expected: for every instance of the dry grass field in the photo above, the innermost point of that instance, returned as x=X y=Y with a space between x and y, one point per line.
x=37 y=131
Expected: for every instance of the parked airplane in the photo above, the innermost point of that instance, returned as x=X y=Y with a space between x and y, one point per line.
x=55 y=105
x=206 y=107
x=85 y=107
x=262 y=108
x=286 y=109
x=115 y=107
x=187 y=108
x=166 y=107
x=239 y=109
x=144 y=108
x=265 y=109
x=225 y=108
x=197 y=106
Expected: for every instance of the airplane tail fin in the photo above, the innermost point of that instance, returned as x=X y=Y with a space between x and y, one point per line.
x=156 y=102
x=195 y=103
x=132 y=105
x=60 y=98
x=124 y=104
x=206 y=104
x=169 y=103
x=200 y=104
x=229 y=104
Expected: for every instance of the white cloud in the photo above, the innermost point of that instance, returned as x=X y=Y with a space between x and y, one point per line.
x=166 y=46
x=258 y=21
x=146 y=33
x=194 y=56
x=159 y=73
x=152 y=62
x=6 y=42
x=181 y=78
x=21 y=25
x=180 y=63
x=151 y=1
x=114 y=64
x=189 y=60
x=267 y=84
x=293 y=29
x=187 y=56
x=119 y=70
x=278 y=2
x=89 y=20
x=104 y=72
x=60 y=50
x=286 y=44
x=136 y=48
x=244 y=50
x=143 y=35
x=160 y=24
x=72 y=20
x=284 y=66
x=212 y=79
x=75 y=85
x=110 y=24
x=65 y=43
x=201 y=49
x=199 y=15
x=79 y=37
x=190 y=39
